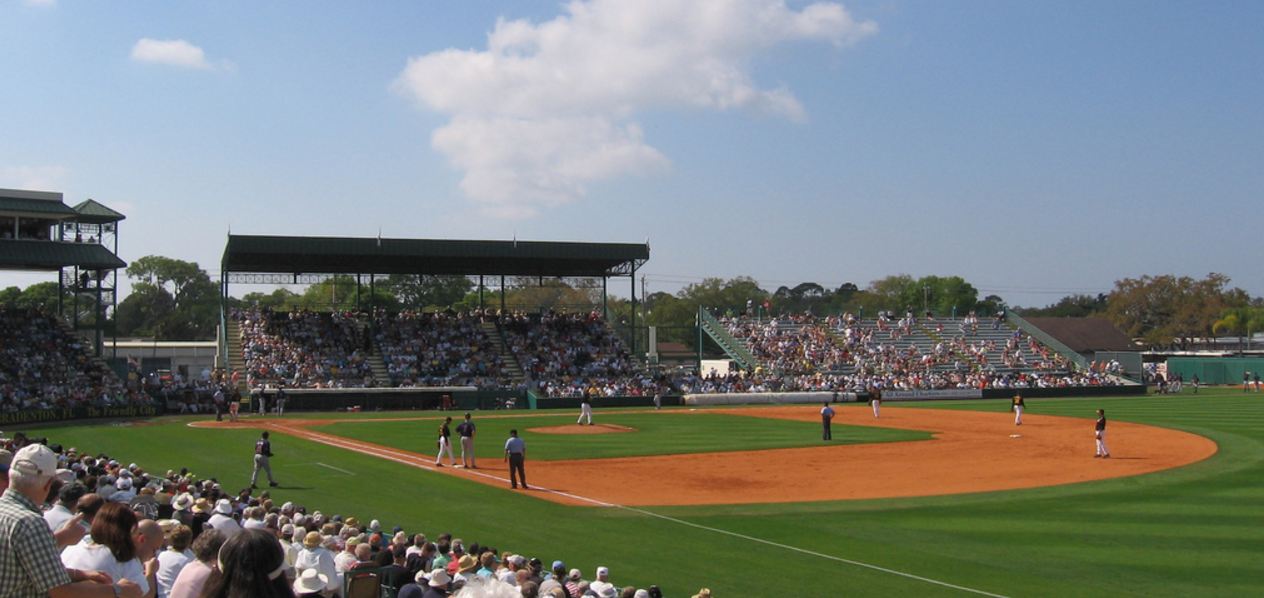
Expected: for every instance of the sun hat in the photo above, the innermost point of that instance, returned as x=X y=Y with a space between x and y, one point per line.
x=439 y=578
x=312 y=539
x=467 y=563
x=602 y=589
x=182 y=502
x=310 y=582
x=224 y=507
x=201 y=505
x=421 y=577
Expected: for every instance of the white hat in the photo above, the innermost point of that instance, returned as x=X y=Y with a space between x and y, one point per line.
x=124 y=484
x=375 y=526
x=35 y=459
x=310 y=581
x=603 y=589
x=439 y=578
x=182 y=502
x=602 y=572
x=223 y=507
x=65 y=475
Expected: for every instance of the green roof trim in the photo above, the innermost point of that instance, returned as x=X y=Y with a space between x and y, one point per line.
x=354 y=255
x=51 y=255
x=93 y=212
x=36 y=206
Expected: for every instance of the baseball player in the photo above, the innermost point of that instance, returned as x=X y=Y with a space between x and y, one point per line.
x=263 y=455
x=827 y=413
x=1018 y=409
x=585 y=411
x=466 y=430
x=1100 y=434
x=876 y=402
x=445 y=444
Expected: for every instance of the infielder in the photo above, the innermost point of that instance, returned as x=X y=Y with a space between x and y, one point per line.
x=1018 y=409
x=263 y=453
x=876 y=402
x=585 y=411
x=1100 y=434
x=466 y=430
x=445 y=444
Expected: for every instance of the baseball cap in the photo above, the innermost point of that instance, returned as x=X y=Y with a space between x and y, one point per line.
x=558 y=565
x=602 y=571
x=35 y=459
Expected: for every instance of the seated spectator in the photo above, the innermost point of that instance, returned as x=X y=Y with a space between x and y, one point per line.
x=111 y=548
x=251 y=564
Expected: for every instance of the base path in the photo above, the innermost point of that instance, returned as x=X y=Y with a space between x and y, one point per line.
x=971 y=451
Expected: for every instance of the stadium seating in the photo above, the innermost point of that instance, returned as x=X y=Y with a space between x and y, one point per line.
x=303 y=349
x=439 y=349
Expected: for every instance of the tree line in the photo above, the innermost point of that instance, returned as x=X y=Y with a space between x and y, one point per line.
x=173 y=299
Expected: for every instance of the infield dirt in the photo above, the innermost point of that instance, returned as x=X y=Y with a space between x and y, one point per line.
x=970 y=451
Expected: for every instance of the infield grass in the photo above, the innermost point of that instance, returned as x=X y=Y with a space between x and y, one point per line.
x=653 y=433
x=1192 y=531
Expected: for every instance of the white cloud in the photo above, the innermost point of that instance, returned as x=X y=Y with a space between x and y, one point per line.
x=34 y=178
x=547 y=108
x=171 y=52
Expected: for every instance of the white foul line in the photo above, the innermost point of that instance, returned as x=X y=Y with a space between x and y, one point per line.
x=335 y=468
x=414 y=459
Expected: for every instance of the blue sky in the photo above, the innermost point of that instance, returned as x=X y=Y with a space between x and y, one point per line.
x=1035 y=148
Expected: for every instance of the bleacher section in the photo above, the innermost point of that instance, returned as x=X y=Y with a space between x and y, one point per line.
x=442 y=349
x=303 y=349
x=44 y=366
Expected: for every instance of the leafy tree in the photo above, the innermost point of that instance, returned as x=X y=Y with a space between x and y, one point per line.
x=338 y=293
x=279 y=299
x=419 y=292
x=1071 y=306
x=171 y=300
x=1163 y=309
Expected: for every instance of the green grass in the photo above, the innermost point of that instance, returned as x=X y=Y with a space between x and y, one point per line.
x=662 y=433
x=1195 y=530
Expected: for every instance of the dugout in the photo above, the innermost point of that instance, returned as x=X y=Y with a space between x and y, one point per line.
x=1215 y=370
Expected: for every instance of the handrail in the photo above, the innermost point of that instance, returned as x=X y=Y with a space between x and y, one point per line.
x=223 y=338
x=1047 y=339
x=733 y=347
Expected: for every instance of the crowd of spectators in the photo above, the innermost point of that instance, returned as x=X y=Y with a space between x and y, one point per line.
x=802 y=352
x=44 y=366
x=182 y=536
x=303 y=349
x=573 y=354
x=439 y=349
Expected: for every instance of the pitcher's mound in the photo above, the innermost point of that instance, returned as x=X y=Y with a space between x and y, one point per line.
x=578 y=429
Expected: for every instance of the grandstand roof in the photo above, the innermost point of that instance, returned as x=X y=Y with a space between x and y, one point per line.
x=34 y=204
x=51 y=255
x=92 y=212
x=355 y=255
x=1085 y=335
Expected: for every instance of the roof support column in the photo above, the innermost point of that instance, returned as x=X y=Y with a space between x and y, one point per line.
x=632 y=281
x=480 y=291
x=605 y=305
x=502 y=293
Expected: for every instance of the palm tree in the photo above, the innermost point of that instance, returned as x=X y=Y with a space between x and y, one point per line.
x=1240 y=320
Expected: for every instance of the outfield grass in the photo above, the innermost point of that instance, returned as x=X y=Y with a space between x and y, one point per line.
x=1190 y=531
x=656 y=433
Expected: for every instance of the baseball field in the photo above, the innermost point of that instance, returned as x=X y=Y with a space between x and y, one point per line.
x=934 y=498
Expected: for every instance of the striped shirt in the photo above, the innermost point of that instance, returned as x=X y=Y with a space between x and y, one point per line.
x=29 y=561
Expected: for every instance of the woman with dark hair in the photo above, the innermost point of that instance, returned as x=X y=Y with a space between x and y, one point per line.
x=111 y=547
x=251 y=565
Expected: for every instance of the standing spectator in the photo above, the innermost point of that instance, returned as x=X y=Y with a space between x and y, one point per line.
x=466 y=430
x=251 y=564
x=263 y=457
x=516 y=455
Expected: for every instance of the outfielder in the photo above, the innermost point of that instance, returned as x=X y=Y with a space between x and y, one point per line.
x=585 y=411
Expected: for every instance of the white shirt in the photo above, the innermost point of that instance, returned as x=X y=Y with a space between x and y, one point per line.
x=225 y=524
x=319 y=559
x=254 y=524
x=88 y=555
x=170 y=563
x=57 y=516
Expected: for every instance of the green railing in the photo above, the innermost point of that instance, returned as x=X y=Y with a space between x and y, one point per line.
x=1079 y=360
x=733 y=347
